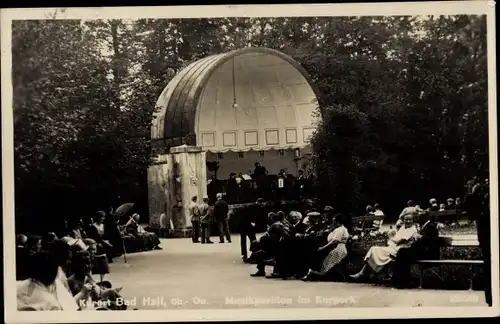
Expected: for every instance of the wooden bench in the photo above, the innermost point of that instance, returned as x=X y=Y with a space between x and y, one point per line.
x=364 y=223
x=451 y=241
x=447 y=215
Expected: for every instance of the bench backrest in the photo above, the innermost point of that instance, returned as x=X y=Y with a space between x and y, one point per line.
x=459 y=240
x=367 y=221
x=443 y=213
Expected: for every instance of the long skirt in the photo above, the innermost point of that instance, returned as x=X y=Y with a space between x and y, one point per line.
x=150 y=240
x=333 y=258
x=132 y=244
x=379 y=256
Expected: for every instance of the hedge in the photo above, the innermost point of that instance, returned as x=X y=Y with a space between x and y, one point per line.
x=455 y=276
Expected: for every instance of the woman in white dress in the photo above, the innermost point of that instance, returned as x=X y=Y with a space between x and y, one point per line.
x=411 y=209
x=46 y=290
x=337 y=240
x=379 y=256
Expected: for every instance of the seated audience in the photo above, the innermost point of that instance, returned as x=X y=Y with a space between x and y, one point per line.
x=410 y=209
x=22 y=257
x=335 y=249
x=307 y=244
x=433 y=205
x=91 y=246
x=425 y=247
x=99 y=262
x=378 y=257
x=97 y=233
x=378 y=212
x=275 y=217
x=149 y=240
x=307 y=206
x=280 y=216
x=63 y=253
x=266 y=247
x=287 y=263
x=78 y=231
x=458 y=204
x=48 y=238
x=43 y=291
x=101 y=291
x=34 y=243
x=75 y=245
x=328 y=216
x=450 y=204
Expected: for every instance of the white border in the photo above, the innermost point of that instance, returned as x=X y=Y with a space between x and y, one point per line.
x=365 y=9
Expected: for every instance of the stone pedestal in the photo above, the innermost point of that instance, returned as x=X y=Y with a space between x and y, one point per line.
x=177 y=176
x=157 y=190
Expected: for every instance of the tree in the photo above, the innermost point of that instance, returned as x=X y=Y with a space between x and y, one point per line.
x=403 y=103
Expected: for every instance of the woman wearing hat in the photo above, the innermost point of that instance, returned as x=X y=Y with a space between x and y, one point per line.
x=328 y=216
x=336 y=246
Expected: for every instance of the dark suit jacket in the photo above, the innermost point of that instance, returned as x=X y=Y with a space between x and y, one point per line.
x=477 y=207
x=300 y=228
x=427 y=247
x=92 y=233
x=23 y=266
x=221 y=208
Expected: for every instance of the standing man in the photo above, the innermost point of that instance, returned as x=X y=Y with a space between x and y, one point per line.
x=163 y=225
x=194 y=212
x=221 y=209
x=259 y=174
x=205 y=219
x=299 y=185
x=477 y=206
x=310 y=182
x=247 y=229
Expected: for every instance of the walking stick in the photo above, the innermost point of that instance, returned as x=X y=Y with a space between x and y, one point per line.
x=124 y=251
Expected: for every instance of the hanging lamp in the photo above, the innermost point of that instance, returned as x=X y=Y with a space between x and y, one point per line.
x=235 y=105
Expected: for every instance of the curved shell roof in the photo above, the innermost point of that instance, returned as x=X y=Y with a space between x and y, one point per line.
x=178 y=119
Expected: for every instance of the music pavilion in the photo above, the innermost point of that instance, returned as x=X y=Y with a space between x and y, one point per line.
x=241 y=107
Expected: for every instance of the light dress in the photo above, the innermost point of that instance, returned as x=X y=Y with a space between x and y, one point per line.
x=33 y=295
x=339 y=252
x=379 y=256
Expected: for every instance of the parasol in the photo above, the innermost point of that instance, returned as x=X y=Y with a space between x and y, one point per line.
x=123 y=209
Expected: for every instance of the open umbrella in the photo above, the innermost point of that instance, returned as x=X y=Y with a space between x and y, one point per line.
x=119 y=213
x=123 y=209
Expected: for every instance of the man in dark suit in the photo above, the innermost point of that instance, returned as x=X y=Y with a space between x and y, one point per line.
x=477 y=206
x=296 y=221
x=22 y=257
x=248 y=219
x=232 y=188
x=287 y=261
x=425 y=247
x=266 y=248
x=307 y=246
x=221 y=209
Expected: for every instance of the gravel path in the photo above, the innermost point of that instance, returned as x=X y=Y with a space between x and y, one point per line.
x=185 y=276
